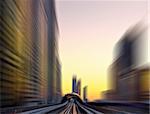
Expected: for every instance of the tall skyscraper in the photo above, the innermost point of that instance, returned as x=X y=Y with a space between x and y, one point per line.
x=85 y=94
x=78 y=87
x=30 y=70
x=52 y=49
x=74 y=88
x=14 y=50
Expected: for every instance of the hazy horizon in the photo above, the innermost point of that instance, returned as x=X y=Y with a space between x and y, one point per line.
x=88 y=32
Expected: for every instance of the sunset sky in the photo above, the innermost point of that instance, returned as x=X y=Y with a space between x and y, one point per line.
x=88 y=32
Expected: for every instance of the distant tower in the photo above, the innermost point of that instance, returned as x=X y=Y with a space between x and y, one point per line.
x=74 y=84
x=85 y=94
x=79 y=87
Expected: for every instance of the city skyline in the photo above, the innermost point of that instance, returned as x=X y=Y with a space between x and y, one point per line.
x=74 y=56
x=89 y=31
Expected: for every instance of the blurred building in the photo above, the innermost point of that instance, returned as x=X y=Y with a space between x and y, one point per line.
x=78 y=87
x=30 y=71
x=74 y=84
x=14 y=50
x=58 y=83
x=43 y=34
x=108 y=95
x=52 y=49
x=85 y=99
x=143 y=84
x=126 y=79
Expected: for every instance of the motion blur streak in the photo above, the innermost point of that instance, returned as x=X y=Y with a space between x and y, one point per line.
x=30 y=70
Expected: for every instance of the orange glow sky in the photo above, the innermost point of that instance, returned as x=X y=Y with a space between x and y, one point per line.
x=88 y=31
